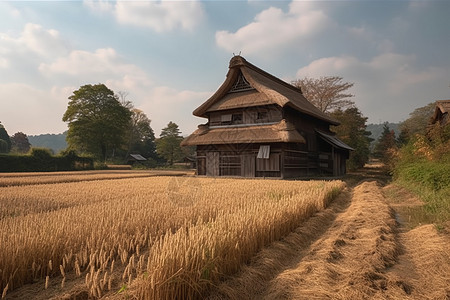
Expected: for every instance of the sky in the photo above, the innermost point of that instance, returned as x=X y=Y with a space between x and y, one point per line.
x=169 y=57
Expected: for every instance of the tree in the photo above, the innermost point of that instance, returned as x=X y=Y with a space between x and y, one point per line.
x=20 y=143
x=97 y=120
x=3 y=146
x=418 y=121
x=385 y=144
x=403 y=137
x=140 y=135
x=5 y=141
x=326 y=93
x=352 y=131
x=168 y=144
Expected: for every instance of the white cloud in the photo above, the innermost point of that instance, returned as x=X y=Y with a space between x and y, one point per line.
x=160 y=103
x=4 y=63
x=388 y=85
x=9 y=10
x=21 y=54
x=163 y=104
x=103 y=65
x=35 y=111
x=99 y=5
x=43 y=42
x=160 y=16
x=275 y=29
x=38 y=107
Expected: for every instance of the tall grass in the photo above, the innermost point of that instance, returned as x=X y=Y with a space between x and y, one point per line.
x=162 y=237
x=430 y=180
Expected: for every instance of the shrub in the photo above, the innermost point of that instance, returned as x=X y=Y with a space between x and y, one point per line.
x=41 y=160
x=423 y=167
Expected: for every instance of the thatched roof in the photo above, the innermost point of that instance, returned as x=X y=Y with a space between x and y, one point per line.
x=442 y=107
x=267 y=89
x=265 y=133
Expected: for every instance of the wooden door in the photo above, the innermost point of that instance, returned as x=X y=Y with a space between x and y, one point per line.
x=212 y=163
x=248 y=165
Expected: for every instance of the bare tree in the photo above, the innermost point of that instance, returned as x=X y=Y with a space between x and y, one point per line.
x=122 y=96
x=326 y=93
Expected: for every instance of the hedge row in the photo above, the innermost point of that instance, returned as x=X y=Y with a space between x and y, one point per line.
x=41 y=160
x=428 y=174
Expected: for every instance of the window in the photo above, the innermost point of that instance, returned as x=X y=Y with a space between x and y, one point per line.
x=231 y=119
x=225 y=119
x=236 y=119
x=262 y=116
x=264 y=151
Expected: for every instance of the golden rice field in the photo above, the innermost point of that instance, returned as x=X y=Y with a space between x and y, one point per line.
x=14 y=179
x=149 y=237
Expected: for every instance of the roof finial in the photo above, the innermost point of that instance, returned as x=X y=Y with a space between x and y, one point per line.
x=238 y=54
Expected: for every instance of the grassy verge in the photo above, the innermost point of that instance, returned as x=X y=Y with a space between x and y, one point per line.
x=430 y=181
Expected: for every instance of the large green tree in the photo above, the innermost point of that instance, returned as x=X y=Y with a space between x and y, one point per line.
x=20 y=143
x=141 y=137
x=417 y=122
x=168 y=144
x=353 y=132
x=98 y=122
x=327 y=93
x=5 y=141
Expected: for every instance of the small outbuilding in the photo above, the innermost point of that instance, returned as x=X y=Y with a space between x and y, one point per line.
x=261 y=126
x=135 y=158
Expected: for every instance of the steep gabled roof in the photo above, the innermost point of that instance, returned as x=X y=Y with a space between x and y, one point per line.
x=267 y=89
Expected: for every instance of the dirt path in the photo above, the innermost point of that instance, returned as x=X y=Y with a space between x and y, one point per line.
x=355 y=249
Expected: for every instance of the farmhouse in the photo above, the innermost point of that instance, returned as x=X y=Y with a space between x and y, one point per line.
x=441 y=113
x=261 y=126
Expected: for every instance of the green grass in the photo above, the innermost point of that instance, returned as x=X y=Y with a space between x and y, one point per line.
x=430 y=181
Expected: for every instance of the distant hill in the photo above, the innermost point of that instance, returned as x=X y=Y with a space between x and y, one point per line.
x=56 y=142
x=377 y=129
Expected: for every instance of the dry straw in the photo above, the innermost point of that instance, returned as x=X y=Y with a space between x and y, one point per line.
x=128 y=233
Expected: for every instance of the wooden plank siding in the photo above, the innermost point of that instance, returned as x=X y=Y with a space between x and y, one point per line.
x=248 y=165
x=212 y=163
x=250 y=115
x=241 y=160
x=230 y=165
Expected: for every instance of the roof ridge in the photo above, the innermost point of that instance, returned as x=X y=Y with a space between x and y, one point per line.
x=237 y=61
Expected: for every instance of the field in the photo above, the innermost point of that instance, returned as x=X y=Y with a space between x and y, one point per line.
x=17 y=179
x=91 y=235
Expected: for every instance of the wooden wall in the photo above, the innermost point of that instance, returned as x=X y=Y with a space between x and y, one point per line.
x=250 y=115
x=285 y=161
